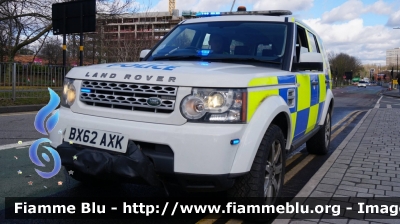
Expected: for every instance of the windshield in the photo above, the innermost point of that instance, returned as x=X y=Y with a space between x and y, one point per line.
x=225 y=41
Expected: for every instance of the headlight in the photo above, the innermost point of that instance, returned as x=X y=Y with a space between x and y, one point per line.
x=215 y=105
x=69 y=93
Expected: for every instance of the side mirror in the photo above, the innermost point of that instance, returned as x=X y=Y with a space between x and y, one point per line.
x=309 y=61
x=143 y=54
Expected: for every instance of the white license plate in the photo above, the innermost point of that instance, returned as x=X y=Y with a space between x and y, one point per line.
x=96 y=138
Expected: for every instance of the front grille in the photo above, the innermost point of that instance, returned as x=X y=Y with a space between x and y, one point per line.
x=128 y=96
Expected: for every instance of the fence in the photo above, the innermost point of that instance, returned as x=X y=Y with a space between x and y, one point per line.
x=29 y=81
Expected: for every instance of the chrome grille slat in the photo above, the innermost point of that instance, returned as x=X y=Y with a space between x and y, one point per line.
x=128 y=96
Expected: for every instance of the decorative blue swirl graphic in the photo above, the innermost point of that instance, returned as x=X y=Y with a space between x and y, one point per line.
x=35 y=159
x=45 y=111
x=40 y=123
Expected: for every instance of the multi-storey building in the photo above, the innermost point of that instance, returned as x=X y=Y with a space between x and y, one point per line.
x=135 y=32
x=392 y=57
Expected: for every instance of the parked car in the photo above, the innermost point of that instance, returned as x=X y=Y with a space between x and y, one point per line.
x=205 y=119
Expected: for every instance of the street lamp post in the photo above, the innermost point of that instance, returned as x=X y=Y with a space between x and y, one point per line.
x=397 y=69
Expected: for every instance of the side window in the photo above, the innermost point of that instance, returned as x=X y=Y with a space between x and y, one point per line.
x=313 y=42
x=302 y=43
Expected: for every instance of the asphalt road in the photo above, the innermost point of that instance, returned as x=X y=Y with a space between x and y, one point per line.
x=351 y=103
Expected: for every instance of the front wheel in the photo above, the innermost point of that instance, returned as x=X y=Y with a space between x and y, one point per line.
x=319 y=143
x=266 y=176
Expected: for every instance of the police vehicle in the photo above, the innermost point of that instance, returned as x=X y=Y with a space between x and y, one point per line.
x=217 y=105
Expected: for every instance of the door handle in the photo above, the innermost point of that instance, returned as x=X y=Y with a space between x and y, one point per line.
x=314 y=83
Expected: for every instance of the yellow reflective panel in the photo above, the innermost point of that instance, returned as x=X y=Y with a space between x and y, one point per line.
x=294 y=120
x=312 y=118
x=303 y=92
x=263 y=81
x=322 y=88
x=256 y=98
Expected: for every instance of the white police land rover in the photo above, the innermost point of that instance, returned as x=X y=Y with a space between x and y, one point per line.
x=215 y=106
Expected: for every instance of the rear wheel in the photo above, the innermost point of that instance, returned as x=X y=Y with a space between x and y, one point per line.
x=319 y=143
x=265 y=179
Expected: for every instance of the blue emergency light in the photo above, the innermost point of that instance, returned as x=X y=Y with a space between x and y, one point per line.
x=203 y=52
x=207 y=14
x=86 y=90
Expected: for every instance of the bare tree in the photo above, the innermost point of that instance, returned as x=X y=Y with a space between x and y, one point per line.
x=23 y=22
x=342 y=62
x=52 y=51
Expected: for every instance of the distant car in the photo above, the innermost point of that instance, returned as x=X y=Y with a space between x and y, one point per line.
x=362 y=84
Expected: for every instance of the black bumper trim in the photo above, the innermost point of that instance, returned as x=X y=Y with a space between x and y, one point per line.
x=135 y=167
x=103 y=165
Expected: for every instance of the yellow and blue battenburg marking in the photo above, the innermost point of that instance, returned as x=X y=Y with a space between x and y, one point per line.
x=309 y=98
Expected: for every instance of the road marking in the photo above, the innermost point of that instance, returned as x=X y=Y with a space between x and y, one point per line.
x=289 y=175
x=2 y=147
x=209 y=219
x=379 y=100
x=293 y=158
x=343 y=119
x=234 y=221
x=15 y=114
x=377 y=105
x=388 y=106
x=336 y=133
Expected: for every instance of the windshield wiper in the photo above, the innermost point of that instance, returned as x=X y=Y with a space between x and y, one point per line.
x=177 y=57
x=242 y=59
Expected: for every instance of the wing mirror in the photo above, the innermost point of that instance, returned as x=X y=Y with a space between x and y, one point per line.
x=309 y=61
x=143 y=54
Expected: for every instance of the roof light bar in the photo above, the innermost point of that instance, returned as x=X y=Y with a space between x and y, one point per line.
x=265 y=13
x=207 y=14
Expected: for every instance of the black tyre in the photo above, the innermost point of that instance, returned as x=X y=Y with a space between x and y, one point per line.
x=265 y=179
x=320 y=142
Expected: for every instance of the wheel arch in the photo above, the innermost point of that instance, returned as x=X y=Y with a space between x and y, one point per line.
x=273 y=110
x=328 y=106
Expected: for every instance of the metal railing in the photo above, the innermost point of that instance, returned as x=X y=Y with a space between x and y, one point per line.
x=29 y=80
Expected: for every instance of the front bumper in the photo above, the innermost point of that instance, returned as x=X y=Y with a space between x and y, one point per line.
x=136 y=167
x=197 y=148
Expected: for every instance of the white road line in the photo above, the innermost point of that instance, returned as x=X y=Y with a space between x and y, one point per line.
x=389 y=106
x=2 y=147
x=377 y=105
x=16 y=114
x=379 y=100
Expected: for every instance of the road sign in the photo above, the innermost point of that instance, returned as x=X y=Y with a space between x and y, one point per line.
x=344 y=77
x=74 y=17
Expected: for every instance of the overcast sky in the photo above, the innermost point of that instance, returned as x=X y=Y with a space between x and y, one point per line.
x=361 y=28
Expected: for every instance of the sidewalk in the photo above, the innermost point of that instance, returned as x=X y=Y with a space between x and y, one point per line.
x=366 y=164
x=393 y=93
